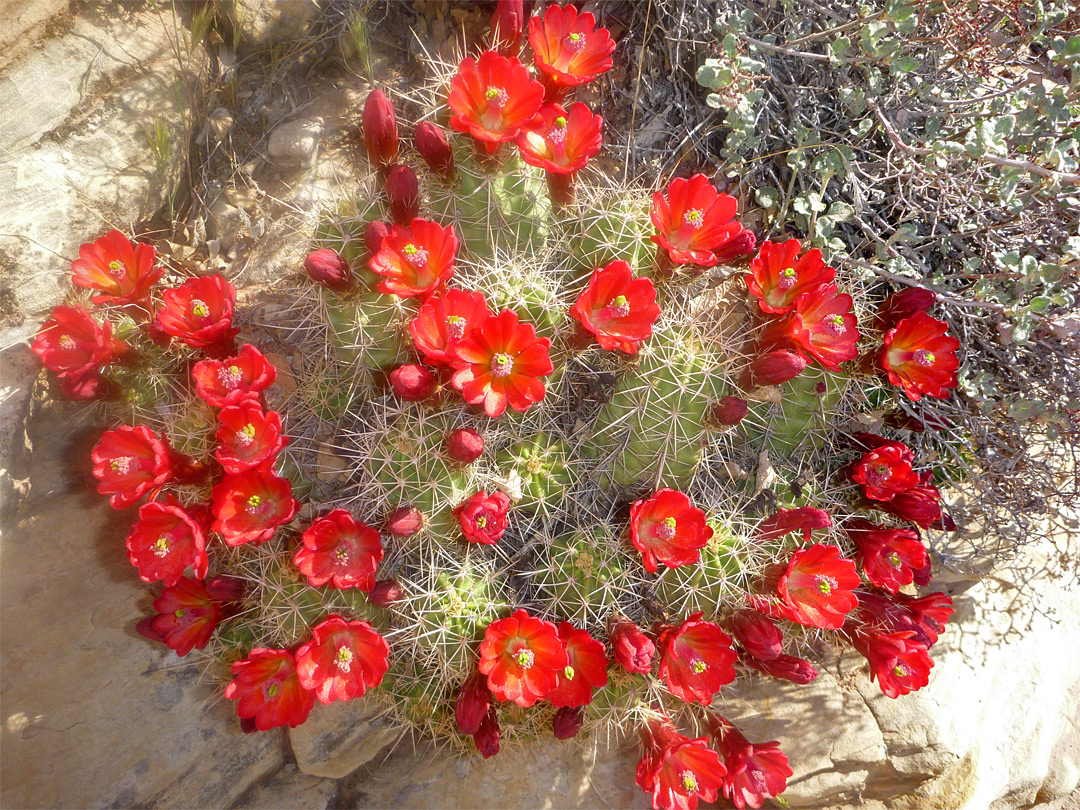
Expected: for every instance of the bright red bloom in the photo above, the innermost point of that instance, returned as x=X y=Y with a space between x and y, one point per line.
x=188 y=612
x=906 y=303
x=755 y=771
x=403 y=194
x=618 y=309
x=166 y=540
x=380 y=129
x=561 y=142
x=483 y=517
x=821 y=325
x=340 y=550
x=817 y=587
x=677 y=771
x=885 y=471
x=924 y=616
x=921 y=504
x=230 y=381
x=696 y=659
x=634 y=650
x=248 y=438
x=501 y=363
x=757 y=634
x=473 y=704
x=567 y=722
x=343 y=660
x=666 y=527
x=568 y=48
x=493 y=98
x=897 y=661
x=889 y=557
x=412 y=382
x=124 y=272
x=464 y=445
x=521 y=657
x=129 y=462
x=434 y=148
x=250 y=505
x=920 y=357
x=199 y=312
x=73 y=345
x=329 y=268
x=787 y=667
x=772 y=368
x=486 y=738
x=507 y=26
x=785 y=521
x=444 y=320
x=267 y=688
x=586 y=671
x=415 y=260
x=696 y=223
x=778 y=275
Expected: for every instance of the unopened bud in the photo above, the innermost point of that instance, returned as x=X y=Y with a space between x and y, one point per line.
x=567 y=722
x=386 y=593
x=730 y=411
x=405 y=521
x=412 y=382
x=464 y=445
x=904 y=304
x=403 y=194
x=507 y=26
x=374 y=235
x=380 y=129
x=772 y=368
x=434 y=148
x=329 y=268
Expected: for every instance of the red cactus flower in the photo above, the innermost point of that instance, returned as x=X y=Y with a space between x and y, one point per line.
x=343 y=660
x=730 y=411
x=567 y=722
x=586 y=671
x=920 y=357
x=561 y=142
x=412 y=382
x=696 y=659
x=507 y=26
x=329 y=268
x=403 y=194
x=772 y=368
x=250 y=505
x=131 y=461
x=386 y=592
x=415 y=260
x=405 y=521
x=340 y=550
x=248 y=438
x=221 y=383
x=618 y=309
x=889 y=557
x=568 y=48
x=444 y=320
x=634 y=650
x=166 y=540
x=778 y=275
x=380 y=129
x=486 y=738
x=266 y=688
x=493 y=98
x=897 y=662
x=464 y=445
x=434 y=148
x=755 y=771
x=521 y=657
x=817 y=587
x=124 y=272
x=785 y=521
x=501 y=363
x=483 y=517
x=906 y=303
x=199 y=312
x=73 y=345
x=667 y=528
x=924 y=616
x=921 y=504
x=473 y=704
x=821 y=325
x=696 y=223
x=188 y=612
x=757 y=634
x=677 y=771
x=885 y=471
x=786 y=667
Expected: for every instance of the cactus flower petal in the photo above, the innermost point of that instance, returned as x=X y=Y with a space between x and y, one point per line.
x=521 y=656
x=778 y=275
x=695 y=222
x=342 y=660
x=267 y=689
x=919 y=356
x=122 y=271
x=493 y=98
x=667 y=528
x=340 y=550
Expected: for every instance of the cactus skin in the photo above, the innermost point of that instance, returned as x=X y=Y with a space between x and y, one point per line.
x=370 y=331
x=611 y=229
x=801 y=419
x=344 y=232
x=541 y=462
x=710 y=586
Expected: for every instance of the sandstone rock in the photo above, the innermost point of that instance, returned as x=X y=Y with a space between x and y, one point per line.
x=340 y=737
x=290 y=787
x=295 y=144
x=264 y=24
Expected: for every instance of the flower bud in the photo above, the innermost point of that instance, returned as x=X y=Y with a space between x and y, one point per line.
x=380 y=129
x=903 y=304
x=374 y=235
x=386 y=593
x=567 y=722
x=412 y=382
x=730 y=411
x=633 y=649
x=405 y=521
x=507 y=25
x=464 y=445
x=788 y=667
x=739 y=246
x=329 y=268
x=472 y=705
x=403 y=194
x=757 y=634
x=487 y=736
x=772 y=368
x=434 y=148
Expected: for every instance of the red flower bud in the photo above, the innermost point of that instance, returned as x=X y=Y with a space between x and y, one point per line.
x=757 y=634
x=507 y=26
x=472 y=705
x=374 y=235
x=464 y=445
x=403 y=194
x=412 y=382
x=771 y=369
x=486 y=737
x=741 y=245
x=329 y=268
x=788 y=667
x=567 y=722
x=386 y=593
x=633 y=649
x=904 y=304
x=434 y=148
x=730 y=411
x=405 y=521
x=380 y=129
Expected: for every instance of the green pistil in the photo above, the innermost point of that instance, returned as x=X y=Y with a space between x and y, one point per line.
x=900 y=670
x=115 y=265
x=560 y=122
x=179 y=613
x=490 y=93
x=825 y=587
x=199 y=308
x=481 y=522
x=788 y=272
x=525 y=658
x=272 y=690
x=689 y=781
x=248 y=430
x=254 y=501
x=410 y=250
x=161 y=547
x=894 y=560
x=569 y=673
x=575 y=37
x=620 y=301
x=699 y=666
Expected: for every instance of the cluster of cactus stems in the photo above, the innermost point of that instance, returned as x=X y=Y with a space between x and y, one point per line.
x=617 y=479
